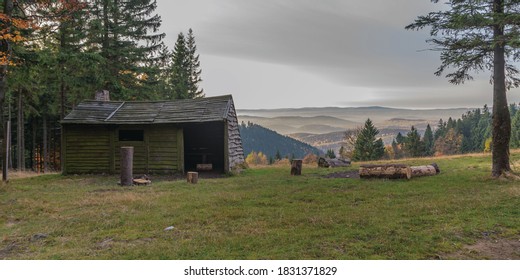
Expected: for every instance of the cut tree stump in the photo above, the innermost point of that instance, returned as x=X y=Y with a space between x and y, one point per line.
x=397 y=171
x=296 y=167
x=127 y=165
x=192 y=177
x=141 y=182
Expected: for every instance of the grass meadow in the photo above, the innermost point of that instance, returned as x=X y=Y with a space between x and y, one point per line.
x=263 y=213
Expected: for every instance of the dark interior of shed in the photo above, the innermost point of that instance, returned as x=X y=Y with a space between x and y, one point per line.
x=204 y=144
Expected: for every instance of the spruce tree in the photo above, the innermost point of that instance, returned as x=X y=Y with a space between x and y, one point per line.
x=179 y=70
x=440 y=131
x=185 y=72
x=278 y=156
x=413 y=145
x=473 y=36
x=331 y=153
x=127 y=34
x=400 y=139
x=428 y=141
x=193 y=67
x=367 y=147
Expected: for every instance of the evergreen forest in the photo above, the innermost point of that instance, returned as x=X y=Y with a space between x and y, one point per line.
x=469 y=134
x=256 y=138
x=55 y=54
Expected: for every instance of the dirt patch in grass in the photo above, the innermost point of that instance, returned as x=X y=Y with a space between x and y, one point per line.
x=353 y=174
x=7 y=251
x=490 y=249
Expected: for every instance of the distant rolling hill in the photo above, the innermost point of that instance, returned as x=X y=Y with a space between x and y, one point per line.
x=381 y=116
x=296 y=124
x=260 y=139
x=324 y=127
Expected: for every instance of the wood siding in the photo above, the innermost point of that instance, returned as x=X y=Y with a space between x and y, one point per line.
x=96 y=149
x=235 y=152
x=87 y=149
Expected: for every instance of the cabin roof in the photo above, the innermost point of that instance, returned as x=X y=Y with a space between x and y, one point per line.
x=151 y=112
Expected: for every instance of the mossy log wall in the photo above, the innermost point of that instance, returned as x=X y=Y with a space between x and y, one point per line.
x=96 y=149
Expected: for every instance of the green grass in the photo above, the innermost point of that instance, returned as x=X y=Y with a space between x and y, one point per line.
x=260 y=214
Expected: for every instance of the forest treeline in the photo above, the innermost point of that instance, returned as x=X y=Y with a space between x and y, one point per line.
x=55 y=54
x=468 y=134
x=258 y=139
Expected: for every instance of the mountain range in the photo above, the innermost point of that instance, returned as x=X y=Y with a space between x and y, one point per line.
x=324 y=127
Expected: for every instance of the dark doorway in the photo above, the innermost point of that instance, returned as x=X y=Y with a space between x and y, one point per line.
x=204 y=144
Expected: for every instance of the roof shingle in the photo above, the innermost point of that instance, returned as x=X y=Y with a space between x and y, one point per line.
x=139 y=112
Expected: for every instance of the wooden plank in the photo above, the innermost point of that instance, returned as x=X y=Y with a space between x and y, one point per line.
x=180 y=148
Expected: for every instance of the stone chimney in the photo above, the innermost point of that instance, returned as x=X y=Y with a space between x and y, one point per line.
x=103 y=95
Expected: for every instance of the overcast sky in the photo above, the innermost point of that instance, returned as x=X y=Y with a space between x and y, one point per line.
x=308 y=53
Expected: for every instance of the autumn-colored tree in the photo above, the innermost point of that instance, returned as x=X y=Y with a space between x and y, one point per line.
x=310 y=159
x=255 y=158
x=449 y=144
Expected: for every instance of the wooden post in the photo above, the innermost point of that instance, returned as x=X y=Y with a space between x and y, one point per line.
x=192 y=177
x=296 y=167
x=6 y=148
x=127 y=165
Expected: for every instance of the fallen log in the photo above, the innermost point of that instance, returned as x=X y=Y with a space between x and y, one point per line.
x=385 y=171
x=333 y=162
x=425 y=170
x=397 y=171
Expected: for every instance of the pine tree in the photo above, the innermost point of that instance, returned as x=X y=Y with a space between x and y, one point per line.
x=428 y=141
x=193 y=67
x=413 y=145
x=400 y=139
x=367 y=147
x=179 y=70
x=126 y=33
x=440 y=131
x=278 y=156
x=184 y=76
x=474 y=36
x=331 y=153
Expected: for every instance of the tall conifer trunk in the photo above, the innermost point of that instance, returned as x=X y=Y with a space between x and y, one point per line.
x=20 y=134
x=45 y=146
x=501 y=117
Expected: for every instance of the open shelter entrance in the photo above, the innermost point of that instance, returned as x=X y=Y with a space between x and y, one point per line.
x=204 y=146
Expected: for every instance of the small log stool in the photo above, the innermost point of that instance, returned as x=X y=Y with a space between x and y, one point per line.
x=192 y=177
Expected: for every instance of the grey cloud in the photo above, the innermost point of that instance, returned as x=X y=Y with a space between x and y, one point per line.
x=331 y=39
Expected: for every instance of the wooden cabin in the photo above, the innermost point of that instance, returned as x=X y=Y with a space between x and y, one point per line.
x=167 y=136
